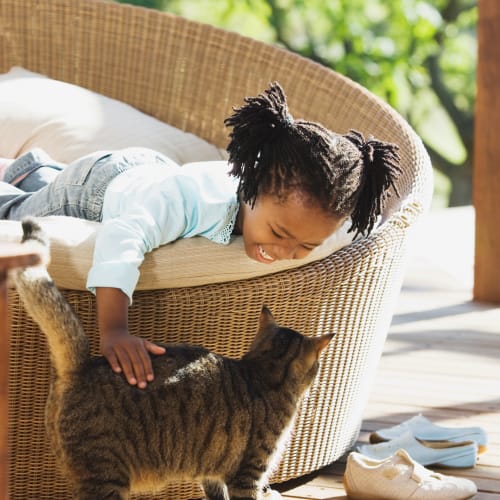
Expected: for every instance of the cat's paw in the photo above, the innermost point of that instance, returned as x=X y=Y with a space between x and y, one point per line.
x=269 y=494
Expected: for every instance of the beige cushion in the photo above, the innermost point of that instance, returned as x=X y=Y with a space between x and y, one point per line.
x=69 y=121
x=186 y=262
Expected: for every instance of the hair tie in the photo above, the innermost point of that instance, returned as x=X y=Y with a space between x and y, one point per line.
x=365 y=147
x=283 y=122
x=288 y=121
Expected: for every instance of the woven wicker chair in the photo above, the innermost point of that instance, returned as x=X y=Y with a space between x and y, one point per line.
x=190 y=75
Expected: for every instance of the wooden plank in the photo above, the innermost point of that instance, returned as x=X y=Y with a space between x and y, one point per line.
x=11 y=255
x=4 y=406
x=310 y=491
x=486 y=155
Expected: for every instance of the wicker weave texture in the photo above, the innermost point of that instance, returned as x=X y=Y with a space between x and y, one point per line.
x=190 y=75
x=223 y=318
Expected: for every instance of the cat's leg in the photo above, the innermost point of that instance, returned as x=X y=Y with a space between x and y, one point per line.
x=244 y=487
x=215 y=490
x=100 y=490
x=248 y=481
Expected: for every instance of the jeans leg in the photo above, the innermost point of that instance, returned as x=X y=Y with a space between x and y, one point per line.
x=47 y=184
x=10 y=196
x=32 y=170
x=77 y=191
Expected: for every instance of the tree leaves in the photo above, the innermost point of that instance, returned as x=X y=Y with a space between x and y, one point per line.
x=415 y=54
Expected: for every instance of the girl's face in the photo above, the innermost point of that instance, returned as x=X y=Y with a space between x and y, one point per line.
x=275 y=230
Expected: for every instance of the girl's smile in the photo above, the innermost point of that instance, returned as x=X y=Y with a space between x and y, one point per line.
x=262 y=254
x=275 y=229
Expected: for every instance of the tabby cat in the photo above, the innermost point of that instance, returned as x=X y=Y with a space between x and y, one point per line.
x=205 y=417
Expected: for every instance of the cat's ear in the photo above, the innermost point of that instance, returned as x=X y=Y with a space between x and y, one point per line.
x=266 y=325
x=266 y=318
x=321 y=342
x=312 y=347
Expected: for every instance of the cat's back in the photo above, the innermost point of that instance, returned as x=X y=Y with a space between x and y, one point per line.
x=183 y=367
x=191 y=383
x=197 y=397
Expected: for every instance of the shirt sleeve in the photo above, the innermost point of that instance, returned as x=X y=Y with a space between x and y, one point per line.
x=148 y=211
x=122 y=241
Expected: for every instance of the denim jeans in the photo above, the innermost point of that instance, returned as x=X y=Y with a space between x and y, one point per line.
x=44 y=187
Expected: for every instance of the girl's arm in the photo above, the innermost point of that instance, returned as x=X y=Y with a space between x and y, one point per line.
x=160 y=209
x=123 y=351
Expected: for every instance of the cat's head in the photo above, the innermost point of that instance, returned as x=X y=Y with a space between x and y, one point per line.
x=283 y=352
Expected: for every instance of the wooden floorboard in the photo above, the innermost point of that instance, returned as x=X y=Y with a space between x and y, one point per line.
x=441 y=357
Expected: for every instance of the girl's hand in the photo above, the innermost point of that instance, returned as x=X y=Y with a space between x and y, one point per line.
x=130 y=355
x=124 y=352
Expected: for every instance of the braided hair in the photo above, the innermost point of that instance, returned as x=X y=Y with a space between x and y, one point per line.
x=272 y=153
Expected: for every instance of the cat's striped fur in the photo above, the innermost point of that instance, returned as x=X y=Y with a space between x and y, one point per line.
x=204 y=417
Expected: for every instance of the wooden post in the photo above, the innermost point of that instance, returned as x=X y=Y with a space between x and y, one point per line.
x=487 y=155
x=11 y=255
x=4 y=406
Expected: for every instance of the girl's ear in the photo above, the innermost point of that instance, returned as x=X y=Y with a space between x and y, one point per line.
x=266 y=318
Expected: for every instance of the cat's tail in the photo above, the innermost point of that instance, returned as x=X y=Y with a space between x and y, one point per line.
x=68 y=344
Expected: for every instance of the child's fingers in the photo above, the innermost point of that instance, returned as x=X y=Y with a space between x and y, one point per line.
x=132 y=358
x=143 y=367
x=127 y=366
x=113 y=362
x=154 y=348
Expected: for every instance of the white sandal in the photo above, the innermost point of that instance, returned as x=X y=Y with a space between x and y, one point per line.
x=399 y=477
x=460 y=455
x=422 y=428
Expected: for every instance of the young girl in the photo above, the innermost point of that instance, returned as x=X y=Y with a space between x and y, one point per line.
x=289 y=184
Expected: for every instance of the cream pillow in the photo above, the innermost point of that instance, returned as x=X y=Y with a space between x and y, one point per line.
x=69 y=121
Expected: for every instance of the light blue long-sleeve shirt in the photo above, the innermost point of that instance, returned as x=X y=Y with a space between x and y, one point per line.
x=151 y=205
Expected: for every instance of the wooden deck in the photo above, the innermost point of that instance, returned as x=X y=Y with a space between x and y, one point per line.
x=441 y=358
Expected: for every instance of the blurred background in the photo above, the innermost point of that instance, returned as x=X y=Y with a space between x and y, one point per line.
x=418 y=55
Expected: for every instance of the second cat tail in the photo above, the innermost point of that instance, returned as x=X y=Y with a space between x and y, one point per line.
x=68 y=344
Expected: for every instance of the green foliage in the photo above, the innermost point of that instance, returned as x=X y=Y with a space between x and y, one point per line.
x=418 y=55
x=151 y=4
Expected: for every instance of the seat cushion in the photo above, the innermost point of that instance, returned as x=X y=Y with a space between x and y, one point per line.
x=186 y=262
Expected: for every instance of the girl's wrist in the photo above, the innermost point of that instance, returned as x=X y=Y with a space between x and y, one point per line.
x=114 y=332
x=112 y=312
